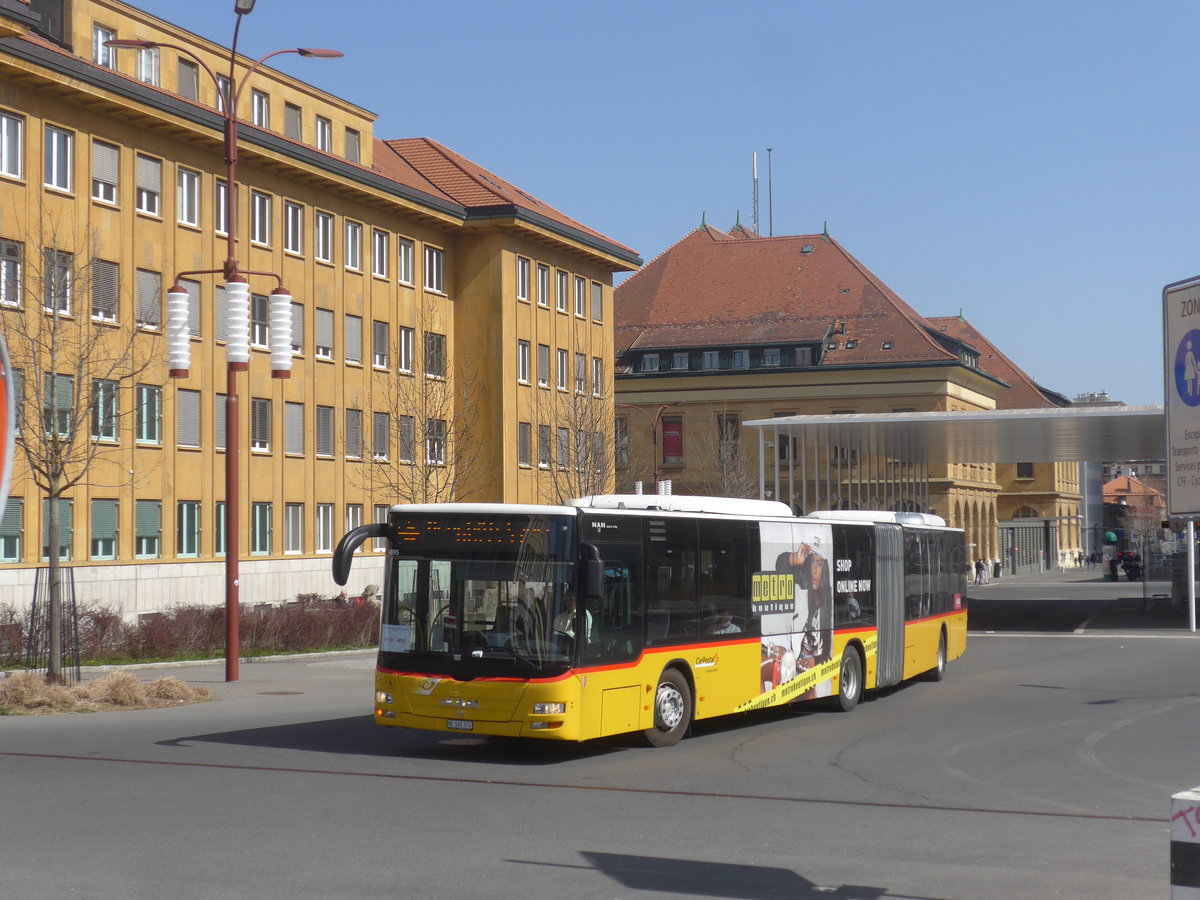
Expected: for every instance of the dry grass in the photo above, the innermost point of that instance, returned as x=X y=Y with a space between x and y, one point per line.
x=27 y=693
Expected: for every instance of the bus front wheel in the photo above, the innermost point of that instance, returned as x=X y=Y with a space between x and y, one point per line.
x=850 y=680
x=672 y=709
x=938 y=672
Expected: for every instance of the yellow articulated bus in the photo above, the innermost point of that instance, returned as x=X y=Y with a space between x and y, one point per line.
x=626 y=613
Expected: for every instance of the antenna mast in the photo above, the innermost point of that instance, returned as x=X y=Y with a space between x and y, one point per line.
x=755 y=214
x=770 y=200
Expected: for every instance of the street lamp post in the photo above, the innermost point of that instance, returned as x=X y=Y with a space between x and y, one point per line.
x=237 y=295
x=654 y=423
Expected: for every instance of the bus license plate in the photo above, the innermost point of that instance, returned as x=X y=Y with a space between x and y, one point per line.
x=460 y=724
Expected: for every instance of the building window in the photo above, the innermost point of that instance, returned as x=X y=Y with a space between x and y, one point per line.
x=597 y=301
x=188 y=81
x=12 y=282
x=522 y=278
x=672 y=440
x=729 y=436
x=66 y=531
x=104 y=529
x=324 y=334
x=408 y=438
x=221 y=208
x=297 y=328
x=851 y=345
x=260 y=109
x=354 y=513
x=260 y=321
x=597 y=375
x=770 y=356
x=580 y=296
x=353 y=146
x=560 y=295
x=58 y=412
x=293 y=528
x=405 y=349
x=58 y=158
x=324 y=527
x=148 y=529
x=621 y=442
x=58 y=275
x=741 y=359
x=219 y=528
x=649 y=362
x=12 y=530
x=12 y=145
x=353 y=245
x=380 y=544
x=324 y=237
x=1024 y=470
x=149 y=185
x=260 y=424
x=354 y=340
x=149 y=302
x=679 y=361
x=102 y=55
x=580 y=373
x=292 y=117
x=106 y=171
x=354 y=433
x=187 y=528
x=435 y=442
x=404 y=261
x=324 y=445
x=560 y=357
x=260 y=218
x=224 y=92
x=523 y=362
x=105 y=410
x=380 y=341
x=543 y=285
x=187 y=418
x=148 y=65
x=105 y=284
x=564 y=447
x=379 y=253
x=710 y=360
x=324 y=134
x=149 y=414
x=293 y=428
x=293 y=227
x=381 y=429
x=219 y=421
x=435 y=355
x=524 y=444
x=434 y=274
x=260 y=528
x=543 y=446
x=189 y=197
x=543 y=366
x=888 y=345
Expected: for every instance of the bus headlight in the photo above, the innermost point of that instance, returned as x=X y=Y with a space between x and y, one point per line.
x=549 y=709
x=383 y=697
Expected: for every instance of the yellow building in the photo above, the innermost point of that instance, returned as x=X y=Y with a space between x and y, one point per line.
x=734 y=327
x=440 y=314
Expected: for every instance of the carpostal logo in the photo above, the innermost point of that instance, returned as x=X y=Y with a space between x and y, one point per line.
x=707 y=662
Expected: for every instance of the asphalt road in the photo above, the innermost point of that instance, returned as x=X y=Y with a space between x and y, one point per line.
x=1041 y=767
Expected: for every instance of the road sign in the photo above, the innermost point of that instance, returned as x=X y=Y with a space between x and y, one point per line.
x=1181 y=391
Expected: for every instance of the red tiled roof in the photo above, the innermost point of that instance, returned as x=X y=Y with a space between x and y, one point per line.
x=1023 y=392
x=714 y=288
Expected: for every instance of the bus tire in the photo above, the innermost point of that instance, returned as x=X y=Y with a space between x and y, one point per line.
x=938 y=672
x=850 y=680
x=672 y=709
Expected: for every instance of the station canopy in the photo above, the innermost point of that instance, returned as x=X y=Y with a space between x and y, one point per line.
x=1084 y=434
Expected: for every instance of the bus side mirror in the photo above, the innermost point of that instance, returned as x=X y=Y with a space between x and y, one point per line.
x=593 y=571
x=343 y=556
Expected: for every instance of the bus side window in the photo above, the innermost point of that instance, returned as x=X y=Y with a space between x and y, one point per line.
x=725 y=578
x=616 y=615
x=671 y=578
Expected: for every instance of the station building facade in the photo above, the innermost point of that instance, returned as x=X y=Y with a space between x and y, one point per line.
x=439 y=314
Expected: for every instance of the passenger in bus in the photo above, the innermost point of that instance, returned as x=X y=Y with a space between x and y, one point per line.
x=723 y=623
x=564 y=622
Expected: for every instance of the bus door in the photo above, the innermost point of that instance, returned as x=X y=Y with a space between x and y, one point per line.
x=889 y=597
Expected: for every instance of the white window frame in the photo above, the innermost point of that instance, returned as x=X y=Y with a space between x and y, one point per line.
x=563 y=359
x=523 y=264
x=405 y=250
x=59 y=157
x=293 y=227
x=543 y=365
x=580 y=297
x=187 y=528
x=597 y=375
x=405 y=350
x=148 y=196
x=103 y=190
x=260 y=424
x=103 y=55
x=381 y=339
x=580 y=373
x=221 y=206
x=543 y=285
x=435 y=274
x=262 y=526
x=188 y=197
x=293 y=528
x=379 y=252
x=324 y=521
x=353 y=245
x=561 y=287
x=522 y=362
x=323 y=134
x=149 y=414
x=12 y=145
x=260 y=218
x=149 y=70
x=260 y=108
x=323 y=236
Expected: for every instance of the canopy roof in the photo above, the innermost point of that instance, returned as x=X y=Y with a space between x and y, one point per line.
x=1085 y=434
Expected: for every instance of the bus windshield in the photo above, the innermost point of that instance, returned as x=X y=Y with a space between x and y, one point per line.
x=470 y=595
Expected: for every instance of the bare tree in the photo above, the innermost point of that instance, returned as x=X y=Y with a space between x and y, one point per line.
x=426 y=449
x=719 y=453
x=69 y=363
x=575 y=442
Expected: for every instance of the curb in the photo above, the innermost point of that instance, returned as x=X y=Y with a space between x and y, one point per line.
x=220 y=661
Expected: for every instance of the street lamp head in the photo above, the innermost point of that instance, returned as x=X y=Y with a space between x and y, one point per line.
x=130 y=42
x=319 y=52
x=241 y=7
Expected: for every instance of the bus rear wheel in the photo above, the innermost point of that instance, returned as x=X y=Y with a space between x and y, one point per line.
x=672 y=709
x=938 y=672
x=850 y=680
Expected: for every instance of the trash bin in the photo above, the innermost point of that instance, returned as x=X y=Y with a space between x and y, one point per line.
x=996 y=570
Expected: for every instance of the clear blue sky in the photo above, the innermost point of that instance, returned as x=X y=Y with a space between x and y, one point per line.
x=1032 y=163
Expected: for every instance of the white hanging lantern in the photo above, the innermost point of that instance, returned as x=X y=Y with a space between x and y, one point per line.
x=237 y=328
x=281 y=333
x=179 y=359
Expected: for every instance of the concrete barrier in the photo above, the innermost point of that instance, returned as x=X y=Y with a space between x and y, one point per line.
x=1185 y=845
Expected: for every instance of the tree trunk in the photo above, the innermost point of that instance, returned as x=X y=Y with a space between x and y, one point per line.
x=54 y=667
